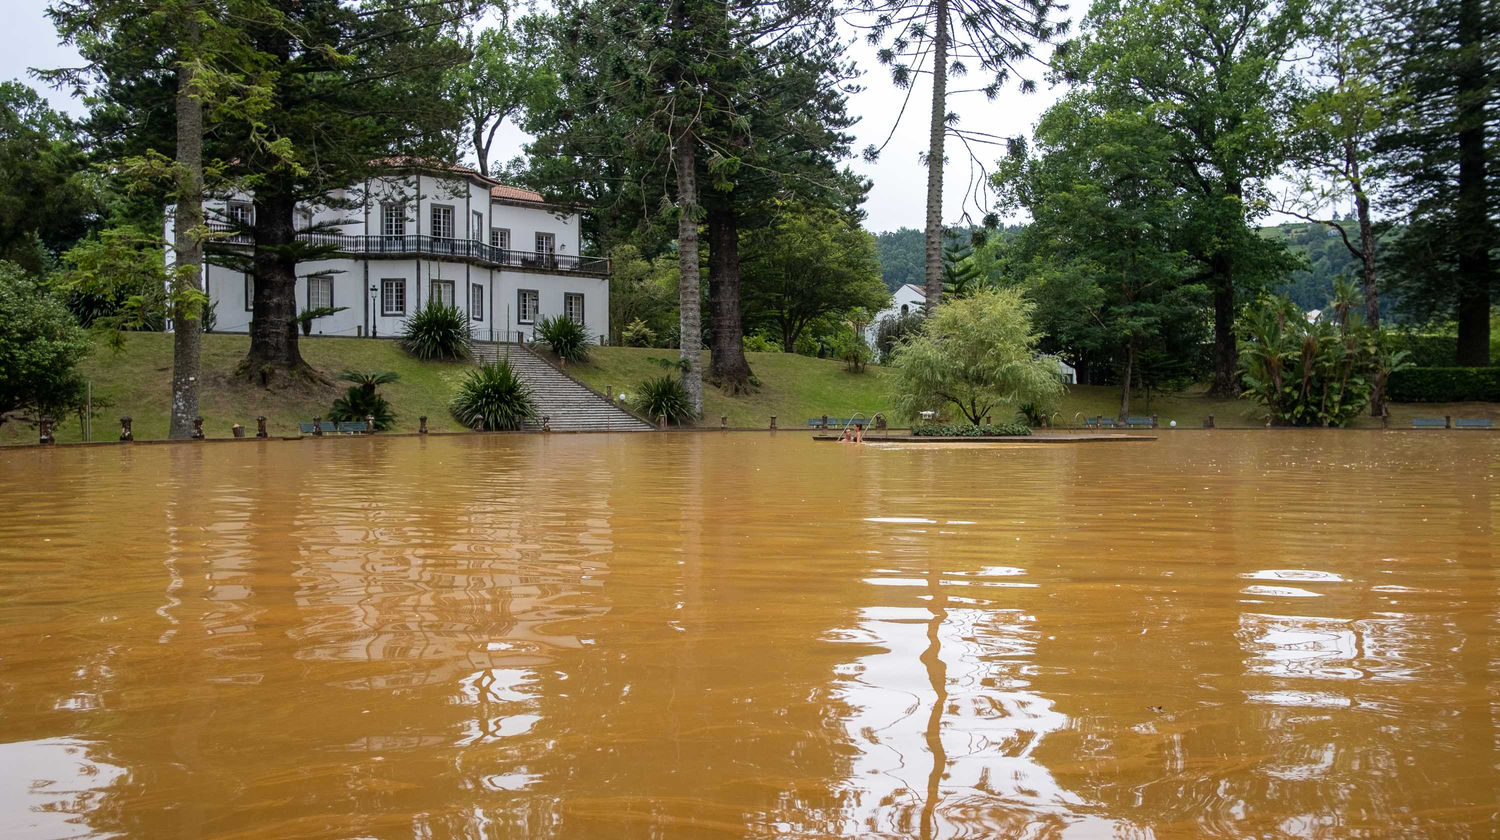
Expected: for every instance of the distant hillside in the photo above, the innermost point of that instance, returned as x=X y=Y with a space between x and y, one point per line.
x=1327 y=261
x=902 y=252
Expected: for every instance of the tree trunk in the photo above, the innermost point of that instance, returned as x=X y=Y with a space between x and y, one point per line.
x=1366 y=239
x=688 y=291
x=1226 y=356
x=1472 y=206
x=1125 y=387
x=730 y=371
x=934 y=237
x=273 y=333
x=186 y=304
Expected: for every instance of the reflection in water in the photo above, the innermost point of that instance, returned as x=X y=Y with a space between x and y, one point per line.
x=1221 y=635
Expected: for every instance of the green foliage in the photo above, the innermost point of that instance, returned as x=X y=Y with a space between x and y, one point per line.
x=48 y=196
x=811 y=263
x=971 y=430
x=307 y=316
x=437 y=331
x=962 y=274
x=1427 y=350
x=761 y=343
x=565 y=336
x=894 y=329
x=493 y=398
x=1445 y=384
x=116 y=278
x=508 y=72
x=637 y=334
x=663 y=397
x=976 y=353
x=362 y=400
x=1311 y=373
x=40 y=347
x=850 y=348
x=902 y=260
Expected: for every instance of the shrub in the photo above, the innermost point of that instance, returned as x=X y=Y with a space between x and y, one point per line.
x=637 y=334
x=1445 y=384
x=894 y=329
x=972 y=430
x=661 y=397
x=40 y=347
x=493 y=398
x=1428 y=350
x=759 y=343
x=437 y=332
x=362 y=400
x=565 y=336
x=307 y=316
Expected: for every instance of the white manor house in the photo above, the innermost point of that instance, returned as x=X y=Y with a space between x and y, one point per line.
x=425 y=232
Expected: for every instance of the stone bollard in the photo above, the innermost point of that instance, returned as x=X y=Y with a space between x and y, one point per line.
x=986 y=419
x=609 y=391
x=125 y=432
x=773 y=422
x=546 y=423
x=723 y=422
x=369 y=424
x=1447 y=421
x=1209 y=422
x=661 y=423
x=237 y=430
x=1154 y=422
x=825 y=421
x=197 y=428
x=422 y=425
x=878 y=422
x=317 y=427
x=45 y=436
x=260 y=427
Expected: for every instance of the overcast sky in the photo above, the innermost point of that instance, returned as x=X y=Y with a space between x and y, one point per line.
x=898 y=199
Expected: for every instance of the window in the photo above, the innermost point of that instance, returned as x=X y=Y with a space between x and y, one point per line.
x=546 y=244
x=241 y=213
x=477 y=228
x=573 y=307
x=526 y=306
x=440 y=291
x=904 y=309
x=476 y=303
x=249 y=293
x=393 y=297
x=442 y=221
x=500 y=238
x=393 y=218
x=319 y=291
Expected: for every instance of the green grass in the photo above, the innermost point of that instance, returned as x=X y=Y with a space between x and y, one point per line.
x=136 y=381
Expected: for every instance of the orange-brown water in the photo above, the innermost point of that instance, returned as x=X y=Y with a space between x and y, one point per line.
x=1228 y=634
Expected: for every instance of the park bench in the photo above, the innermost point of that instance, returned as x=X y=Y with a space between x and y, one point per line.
x=1472 y=423
x=1429 y=423
x=840 y=422
x=356 y=427
x=1139 y=423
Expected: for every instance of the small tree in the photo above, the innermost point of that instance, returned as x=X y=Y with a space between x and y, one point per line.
x=361 y=400
x=976 y=353
x=40 y=344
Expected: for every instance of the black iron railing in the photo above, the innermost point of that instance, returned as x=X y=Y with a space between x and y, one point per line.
x=437 y=246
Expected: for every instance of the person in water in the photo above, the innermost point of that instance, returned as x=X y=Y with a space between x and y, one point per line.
x=853 y=433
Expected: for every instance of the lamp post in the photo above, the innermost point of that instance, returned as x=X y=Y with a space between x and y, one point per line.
x=374 y=314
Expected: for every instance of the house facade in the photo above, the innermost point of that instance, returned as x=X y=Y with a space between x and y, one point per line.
x=417 y=233
x=907 y=298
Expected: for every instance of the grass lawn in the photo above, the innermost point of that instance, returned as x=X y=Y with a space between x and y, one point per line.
x=136 y=381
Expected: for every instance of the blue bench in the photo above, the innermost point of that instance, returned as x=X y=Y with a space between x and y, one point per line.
x=1099 y=422
x=1472 y=423
x=1139 y=423
x=840 y=422
x=1429 y=423
x=357 y=427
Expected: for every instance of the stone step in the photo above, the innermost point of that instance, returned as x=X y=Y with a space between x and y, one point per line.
x=567 y=403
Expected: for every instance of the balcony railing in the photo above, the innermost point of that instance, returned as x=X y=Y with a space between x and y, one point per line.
x=414 y=244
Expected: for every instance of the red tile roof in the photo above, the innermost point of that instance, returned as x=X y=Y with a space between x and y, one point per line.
x=497 y=189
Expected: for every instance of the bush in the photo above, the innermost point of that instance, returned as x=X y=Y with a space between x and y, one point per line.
x=637 y=334
x=661 y=397
x=40 y=347
x=565 y=336
x=1428 y=350
x=894 y=329
x=362 y=400
x=1445 y=384
x=492 y=398
x=758 y=343
x=972 y=430
x=437 y=332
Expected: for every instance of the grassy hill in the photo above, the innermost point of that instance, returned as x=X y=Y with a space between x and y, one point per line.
x=135 y=381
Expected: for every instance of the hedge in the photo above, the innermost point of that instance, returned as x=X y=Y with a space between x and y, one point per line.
x=1445 y=384
x=971 y=430
x=1428 y=351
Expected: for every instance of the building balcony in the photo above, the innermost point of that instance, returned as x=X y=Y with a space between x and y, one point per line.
x=414 y=245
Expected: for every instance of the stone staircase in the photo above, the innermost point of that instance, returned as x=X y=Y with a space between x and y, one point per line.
x=569 y=406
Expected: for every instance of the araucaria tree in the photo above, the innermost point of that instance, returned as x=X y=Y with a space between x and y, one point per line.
x=1445 y=164
x=1213 y=75
x=977 y=354
x=945 y=38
